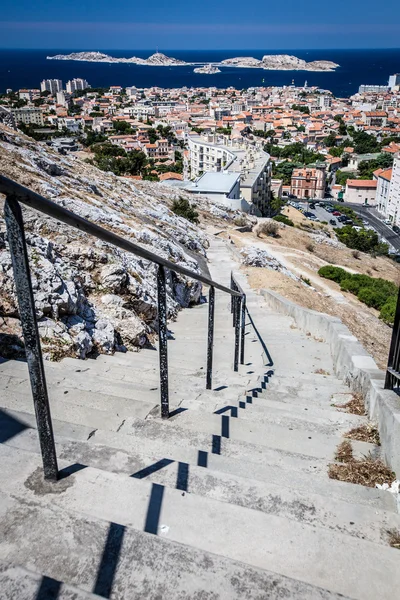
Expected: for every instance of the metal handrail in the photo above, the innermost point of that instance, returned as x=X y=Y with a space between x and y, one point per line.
x=16 y=194
x=50 y=208
x=392 y=379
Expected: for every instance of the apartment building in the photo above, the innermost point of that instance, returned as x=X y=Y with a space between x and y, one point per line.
x=51 y=85
x=383 y=178
x=216 y=154
x=76 y=84
x=28 y=115
x=309 y=182
x=393 y=204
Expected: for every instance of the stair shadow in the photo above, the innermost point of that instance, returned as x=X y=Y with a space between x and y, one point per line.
x=109 y=561
x=10 y=426
x=49 y=589
x=164 y=462
x=260 y=339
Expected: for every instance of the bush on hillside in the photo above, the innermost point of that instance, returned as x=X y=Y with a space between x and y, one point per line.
x=388 y=310
x=354 y=283
x=373 y=297
x=269 y=227
x=183 y=208
x=374 y=292
x=365 y=240
x=284 y=219
x=334 y=273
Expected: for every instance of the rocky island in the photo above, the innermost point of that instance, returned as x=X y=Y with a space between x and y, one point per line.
x=155 y=60
x=207 y=70
x=280 y=62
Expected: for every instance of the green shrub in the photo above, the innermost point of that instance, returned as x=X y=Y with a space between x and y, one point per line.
x=388 y=310
x=334 y=273
x=354 y=283
x=284 y=219
x=365 y=240
x=183 y=208
x=373 y=296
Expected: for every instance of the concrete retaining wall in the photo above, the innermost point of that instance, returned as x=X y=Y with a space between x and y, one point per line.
x=355 y=367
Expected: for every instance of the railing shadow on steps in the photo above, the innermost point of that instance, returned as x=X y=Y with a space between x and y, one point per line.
x=16 y=194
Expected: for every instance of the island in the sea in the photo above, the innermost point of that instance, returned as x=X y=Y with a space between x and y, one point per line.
x=207 y=70
x=155 y=60
x=269 y=62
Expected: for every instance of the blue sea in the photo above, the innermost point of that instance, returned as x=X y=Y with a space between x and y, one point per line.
x=26 y=68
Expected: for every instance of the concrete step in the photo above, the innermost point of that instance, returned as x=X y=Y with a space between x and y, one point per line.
x=357 y=568
x=125 y=453
x=359 y=521
x=288 y=439
x=122 y=563
x=19 y=583
x=321 y=398
x=143 y=389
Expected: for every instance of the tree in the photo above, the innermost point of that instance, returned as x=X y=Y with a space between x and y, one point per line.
x=276 y=204
x=342 y=177
x=283 y=171
x=301 y=108
x=330 y=140
x=183 y=208
x=122 y=127
x=364 y=142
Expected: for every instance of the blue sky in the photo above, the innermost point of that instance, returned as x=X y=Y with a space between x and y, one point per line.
x=206 y=24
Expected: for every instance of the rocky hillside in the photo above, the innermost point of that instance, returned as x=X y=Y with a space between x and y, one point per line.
x=91 y=297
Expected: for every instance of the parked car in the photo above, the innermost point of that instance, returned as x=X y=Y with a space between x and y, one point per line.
x=312 y=205
x=333 y=222
x=348 y=221
x=396 y=229
x=387 y=221
x=329 y=209
x=336 y=213
x=309 y=215
x=342 y=218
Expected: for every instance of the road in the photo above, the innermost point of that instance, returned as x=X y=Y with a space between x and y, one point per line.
x=380 y=227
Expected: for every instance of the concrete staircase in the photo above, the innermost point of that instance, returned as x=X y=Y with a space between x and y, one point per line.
x=229 y=499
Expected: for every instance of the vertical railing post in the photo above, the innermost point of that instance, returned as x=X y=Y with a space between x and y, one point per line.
x=243 y=329
x=162 y=341
x=210 y=336
x=26 y=304
x=394 y=347
x=237 y=332
x=232 y=287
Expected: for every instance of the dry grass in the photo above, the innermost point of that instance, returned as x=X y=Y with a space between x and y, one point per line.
x=321 y=371
x=270 y=228
x=394 y=538
x=355 y=406
x=366 y=471
x=365 y=433
x=344 y=452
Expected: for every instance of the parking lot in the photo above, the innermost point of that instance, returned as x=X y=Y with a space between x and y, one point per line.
x=320 y=213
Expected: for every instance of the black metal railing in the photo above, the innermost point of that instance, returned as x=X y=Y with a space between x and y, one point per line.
x=16 y=194
x=393 y=369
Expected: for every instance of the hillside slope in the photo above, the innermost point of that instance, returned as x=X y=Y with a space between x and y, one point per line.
x=91 y=296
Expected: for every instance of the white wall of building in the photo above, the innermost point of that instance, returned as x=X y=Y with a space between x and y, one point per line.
x=393 y=204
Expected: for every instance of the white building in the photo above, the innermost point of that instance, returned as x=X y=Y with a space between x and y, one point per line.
x=393 y=204
x=51 y=85
x=394 y=81
x=383 y=177
x=63 y=98
x=325 y=102
x=361 y=191
x=211 y=154
x=76 y=84
x=28 y=115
